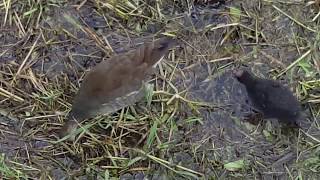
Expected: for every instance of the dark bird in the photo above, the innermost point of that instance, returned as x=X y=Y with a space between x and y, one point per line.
x=271 y=98
x=115 y=83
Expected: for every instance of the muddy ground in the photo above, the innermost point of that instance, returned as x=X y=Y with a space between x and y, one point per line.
x=196 y=126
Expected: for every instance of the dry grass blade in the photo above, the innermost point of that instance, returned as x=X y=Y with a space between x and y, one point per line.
x=191 y=123
x=89 y=32
x=168 y=164
x=7 y=94
x=294 y=63
x=26 y=59
x=7 y=5
x=293 y=19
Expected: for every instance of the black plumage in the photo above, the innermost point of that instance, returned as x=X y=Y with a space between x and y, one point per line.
x=271 y=98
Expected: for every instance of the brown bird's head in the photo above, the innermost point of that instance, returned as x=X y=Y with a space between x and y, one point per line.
x=157 y=49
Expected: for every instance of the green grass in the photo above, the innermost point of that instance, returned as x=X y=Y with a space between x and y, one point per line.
x=9 y=172
x=47 y=47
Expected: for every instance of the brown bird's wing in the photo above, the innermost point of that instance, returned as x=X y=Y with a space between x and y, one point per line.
x=111 y=79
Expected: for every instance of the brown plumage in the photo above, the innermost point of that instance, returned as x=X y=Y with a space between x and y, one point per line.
x=115 y=83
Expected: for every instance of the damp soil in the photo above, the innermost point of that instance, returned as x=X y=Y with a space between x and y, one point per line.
x=223 y=134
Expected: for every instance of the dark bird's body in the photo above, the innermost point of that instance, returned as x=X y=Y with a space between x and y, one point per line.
x=271 y=98
x=115 y=83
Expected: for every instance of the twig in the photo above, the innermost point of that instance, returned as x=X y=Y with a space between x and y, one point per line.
x=294 y=63
x=294 y=20
x=26 y=58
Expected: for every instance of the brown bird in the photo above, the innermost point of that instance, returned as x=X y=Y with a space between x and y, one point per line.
x=271 y=98
x=115 y=83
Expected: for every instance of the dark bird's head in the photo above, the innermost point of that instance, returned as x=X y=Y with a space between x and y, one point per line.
x=244 y=77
